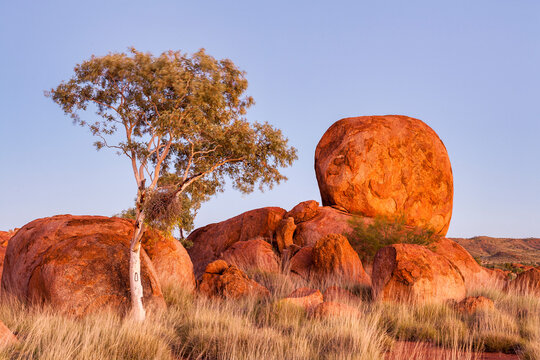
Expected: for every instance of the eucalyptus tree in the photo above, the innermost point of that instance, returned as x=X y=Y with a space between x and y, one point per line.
x=180 y=121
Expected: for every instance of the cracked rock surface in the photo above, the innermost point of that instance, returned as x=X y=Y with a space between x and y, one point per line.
x=386 y=165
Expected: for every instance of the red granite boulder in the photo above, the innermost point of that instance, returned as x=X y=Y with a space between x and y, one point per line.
x=412 y=273
x=78 y=264
x=474 y=274
x=386 y=165
x=211 y=241
x=304 y=211
x=221 y=280
x=252 y=255
x=327 y=221
x=334 y=259
x=170 y=259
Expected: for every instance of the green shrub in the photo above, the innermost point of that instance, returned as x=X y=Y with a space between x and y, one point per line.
x=367 y=239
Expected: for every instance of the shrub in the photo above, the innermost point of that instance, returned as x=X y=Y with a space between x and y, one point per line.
x=367 y=239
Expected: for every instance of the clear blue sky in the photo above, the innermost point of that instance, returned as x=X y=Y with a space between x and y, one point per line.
x=469 y=69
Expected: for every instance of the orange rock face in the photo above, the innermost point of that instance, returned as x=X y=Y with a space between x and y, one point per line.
x=474 y=275
x=227 y=281
x=407 y=272
x=170 y=259
x=386 y=165
x=210 y=241
x=284 y=233
x=6 y=336
x=334 y=258
x=304 y=211
x=327 y=221
x=251 y=255
x=306 y=298
x=4 y=238
x=527 y=281
x=300 y=264
x=78 y=264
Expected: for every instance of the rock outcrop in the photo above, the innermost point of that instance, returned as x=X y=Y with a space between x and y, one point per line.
x=407 y=272
x=474 y=274
x=284 y=233
x=526 y=282
x=386 y=165
x=4 y=239
x=300 y=264
x=252 y=255
x=327 y=221
x=222 y=280
x=333 y=258
x=78 y=264
x=304 y=211
x=210 y=241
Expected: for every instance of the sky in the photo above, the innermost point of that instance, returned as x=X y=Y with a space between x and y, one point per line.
x=469 y=69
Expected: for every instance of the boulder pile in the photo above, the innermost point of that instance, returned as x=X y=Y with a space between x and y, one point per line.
x=365 y=166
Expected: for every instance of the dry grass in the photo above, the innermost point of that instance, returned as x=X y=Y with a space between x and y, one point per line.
x=197 y=328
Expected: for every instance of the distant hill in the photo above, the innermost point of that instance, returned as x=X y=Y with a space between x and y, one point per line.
x=502 y=250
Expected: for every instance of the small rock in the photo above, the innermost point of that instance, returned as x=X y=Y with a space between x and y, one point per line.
x=306 y=298
x=227 y=281
x=472 y=304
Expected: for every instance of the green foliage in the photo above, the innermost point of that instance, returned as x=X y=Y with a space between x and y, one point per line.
x=367 y=239
x=181 y=121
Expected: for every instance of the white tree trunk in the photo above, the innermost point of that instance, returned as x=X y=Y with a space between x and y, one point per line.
x=135 y=278
x=135 y=284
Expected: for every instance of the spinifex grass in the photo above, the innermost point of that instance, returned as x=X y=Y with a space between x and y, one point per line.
x=194 y=327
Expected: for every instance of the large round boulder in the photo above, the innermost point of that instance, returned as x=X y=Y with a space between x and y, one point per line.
x=210 y=241
x=410 y=273
x=77 y=264
x=388 y=165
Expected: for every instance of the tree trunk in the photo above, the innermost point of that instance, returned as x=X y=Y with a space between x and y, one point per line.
x=135 y=278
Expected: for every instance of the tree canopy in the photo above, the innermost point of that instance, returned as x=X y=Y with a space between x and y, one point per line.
x=180 y=120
